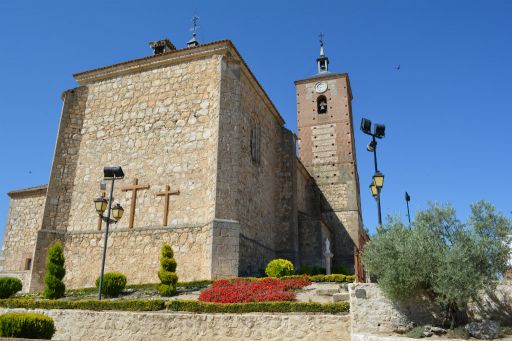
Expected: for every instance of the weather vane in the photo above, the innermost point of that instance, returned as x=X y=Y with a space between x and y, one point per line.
x=321 y=35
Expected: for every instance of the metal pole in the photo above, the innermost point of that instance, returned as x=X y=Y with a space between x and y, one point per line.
x=375 y=153
x=106 y=237
x=376 y=170
x=408 y=213
x=378 y=207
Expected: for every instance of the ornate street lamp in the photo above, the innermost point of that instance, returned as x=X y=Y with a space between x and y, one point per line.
x=109 y=173
x=117 y=212
x=378 y=180
x=379 y=131
x=101 y=205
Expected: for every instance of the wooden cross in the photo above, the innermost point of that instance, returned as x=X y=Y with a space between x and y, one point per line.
x=166 y=195
x=100 y=220
x=134 y=187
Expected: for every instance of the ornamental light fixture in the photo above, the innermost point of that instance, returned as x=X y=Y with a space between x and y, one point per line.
x=378 y=180
x=112 y=173
x=379 y=131
x=101 y=205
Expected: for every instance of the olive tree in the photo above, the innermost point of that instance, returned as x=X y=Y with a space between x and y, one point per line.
x=440 y=256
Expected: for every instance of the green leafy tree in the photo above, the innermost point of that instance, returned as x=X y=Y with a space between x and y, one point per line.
x=167 y=273
x=54 y=286
x=441 y=257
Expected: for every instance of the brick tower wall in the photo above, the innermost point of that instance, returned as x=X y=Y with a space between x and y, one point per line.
x=326 y=148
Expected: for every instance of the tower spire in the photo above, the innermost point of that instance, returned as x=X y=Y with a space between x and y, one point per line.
x=193 y=41
x=322 y=61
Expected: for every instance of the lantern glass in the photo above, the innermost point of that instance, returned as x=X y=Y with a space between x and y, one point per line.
x=100 y=205
x=374 y=190
x=378 y=180
x=117 y=212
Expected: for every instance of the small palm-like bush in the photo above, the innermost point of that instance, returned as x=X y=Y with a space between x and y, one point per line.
x=26 y=325
x=167 y=273
x=113 y=284
x=54 y=286
x=9 y=286
x=279 y=268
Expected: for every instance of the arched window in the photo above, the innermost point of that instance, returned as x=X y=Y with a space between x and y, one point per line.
x=321 y=104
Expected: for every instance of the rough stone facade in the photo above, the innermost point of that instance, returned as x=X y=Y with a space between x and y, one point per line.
x=24 y=220
x=81 y=325
x=196 y=120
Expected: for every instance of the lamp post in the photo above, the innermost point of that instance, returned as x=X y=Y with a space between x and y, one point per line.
x=109 y=173
x=378 y=177
x=407 y=199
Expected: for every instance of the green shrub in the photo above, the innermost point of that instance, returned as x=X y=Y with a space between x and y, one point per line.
x=9 y=286
x=342 y=270
x=311 y=270
x=266 y=307
x=441 y=257
x=54 y=286
x=26 y=325
x=279 y=268
x=120 y=305
x=327 y=278
x=416 y=332
x=167 y=272
x=113 y=284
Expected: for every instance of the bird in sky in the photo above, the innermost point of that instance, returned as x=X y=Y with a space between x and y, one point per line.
x=397 y=67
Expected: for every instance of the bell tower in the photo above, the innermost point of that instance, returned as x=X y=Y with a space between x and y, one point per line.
x=326 y=148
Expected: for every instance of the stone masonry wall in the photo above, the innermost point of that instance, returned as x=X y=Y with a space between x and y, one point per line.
x=80 y=325
x=248 y=190
x=136 y=253
x=23 y=222
x=160 y=125
x=373 y=313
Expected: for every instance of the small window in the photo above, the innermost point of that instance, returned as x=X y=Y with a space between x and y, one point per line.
x=321 y=105
x=28 y=263
x=255 y=143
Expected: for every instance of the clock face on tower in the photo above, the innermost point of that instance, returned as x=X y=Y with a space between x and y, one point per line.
x=320 y=87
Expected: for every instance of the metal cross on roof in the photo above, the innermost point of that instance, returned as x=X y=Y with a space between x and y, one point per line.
x=195 y=26
x=193 y=42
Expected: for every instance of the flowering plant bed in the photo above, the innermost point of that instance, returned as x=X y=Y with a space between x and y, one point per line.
x=241 y=290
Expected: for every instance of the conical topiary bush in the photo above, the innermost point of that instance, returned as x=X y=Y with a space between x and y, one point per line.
x=54 y=286
x=167 y=273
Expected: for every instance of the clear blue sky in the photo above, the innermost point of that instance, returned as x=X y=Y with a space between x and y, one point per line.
x=448 y=111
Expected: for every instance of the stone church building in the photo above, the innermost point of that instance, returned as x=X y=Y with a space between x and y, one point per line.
x=193 y=120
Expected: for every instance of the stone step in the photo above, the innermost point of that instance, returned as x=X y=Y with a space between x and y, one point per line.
x=327 y=292
x=340 y=297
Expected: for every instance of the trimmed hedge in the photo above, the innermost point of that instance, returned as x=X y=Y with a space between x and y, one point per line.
x=9 y=286
x=54 y=286
x=180 y=305
x=113 y=284
x=26 y=325
x=167 y=272
x=327 y=278
x=121 y=305
x=263 y=307
x=279 y=267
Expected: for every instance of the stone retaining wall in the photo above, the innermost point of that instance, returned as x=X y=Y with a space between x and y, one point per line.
x=81 y=325
x=372 y=313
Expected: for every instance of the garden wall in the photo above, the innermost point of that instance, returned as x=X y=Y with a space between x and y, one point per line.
x=371 y=312
x=81 y=325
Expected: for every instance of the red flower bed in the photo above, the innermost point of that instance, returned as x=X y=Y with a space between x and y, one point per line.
x=241 y=290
